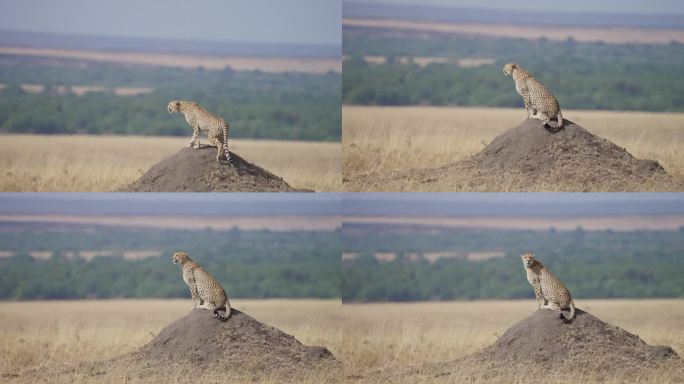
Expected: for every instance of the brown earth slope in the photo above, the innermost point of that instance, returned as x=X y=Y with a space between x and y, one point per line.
x=201 y=347
x=530 y=157
x=196 y=170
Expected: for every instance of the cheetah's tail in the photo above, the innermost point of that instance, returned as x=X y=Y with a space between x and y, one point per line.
x=560 y=120
x=572 y=312
x=225 y=143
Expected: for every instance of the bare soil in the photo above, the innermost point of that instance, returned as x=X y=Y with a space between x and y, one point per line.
x=198 y=345
x=532 y=157
x=196 y=170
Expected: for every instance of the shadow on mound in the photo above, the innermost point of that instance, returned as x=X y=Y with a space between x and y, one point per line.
x=196 y=170
x=198 y=345
x=545 y=343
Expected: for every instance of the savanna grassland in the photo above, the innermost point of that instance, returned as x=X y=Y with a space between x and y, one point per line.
x=403 y=343
x=381 y=140
x=400 y=343
x=88 y=163
x=51 y=336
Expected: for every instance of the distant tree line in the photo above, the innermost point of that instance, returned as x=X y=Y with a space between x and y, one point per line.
x=250 y=264
x=287 y=106
x=593 y=264
x=581 y=75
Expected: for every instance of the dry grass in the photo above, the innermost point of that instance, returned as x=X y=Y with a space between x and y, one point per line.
x=51 y=335
x=380 y=340
x=38 y=163
x=374 y=341
x=385 y=139
x=610 y=35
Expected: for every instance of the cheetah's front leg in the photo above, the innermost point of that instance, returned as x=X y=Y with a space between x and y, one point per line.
x=538 y=295
x=195 y=141
x=526 y=99
x=195 y=296
x=219 y=152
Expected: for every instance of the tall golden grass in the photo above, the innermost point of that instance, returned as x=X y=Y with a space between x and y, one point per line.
x=373 y=341
x=381 y=140
x=381 y=340
x=82 y=163
x=50 y=335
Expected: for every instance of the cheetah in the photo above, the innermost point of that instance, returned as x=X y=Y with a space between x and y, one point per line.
x=548 y=289
x=539 y=101
x=203 y=120
x=203 y=287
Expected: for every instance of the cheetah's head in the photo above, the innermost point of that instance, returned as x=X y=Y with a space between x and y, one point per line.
x=508 y=68
x=180 y=257
x=527 y=259
x=174 y=106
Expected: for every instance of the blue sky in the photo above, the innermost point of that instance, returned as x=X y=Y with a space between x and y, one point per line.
x=603 y=6
x=274 y=21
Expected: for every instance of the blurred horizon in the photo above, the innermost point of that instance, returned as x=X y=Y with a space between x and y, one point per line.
x=170 y=203
x=609 y=6
x=513 y=204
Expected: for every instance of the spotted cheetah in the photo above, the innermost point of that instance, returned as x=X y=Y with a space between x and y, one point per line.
x=548 y=289
x=539 y=101
x=202 y=120
x=203 y=287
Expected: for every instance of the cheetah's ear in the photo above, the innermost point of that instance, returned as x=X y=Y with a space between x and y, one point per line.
x=178 y=103
x=514 y=65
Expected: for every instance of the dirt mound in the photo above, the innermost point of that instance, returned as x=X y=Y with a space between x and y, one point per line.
x=197 y=345
x=568 y=159
x=531 y=157
x=196 y=170
x=587 y=344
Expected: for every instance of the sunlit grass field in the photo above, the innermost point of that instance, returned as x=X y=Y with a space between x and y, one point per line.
x=50 y=335
x=375 y=342
x=83 y=163
x=380 y=140
x=380 y=341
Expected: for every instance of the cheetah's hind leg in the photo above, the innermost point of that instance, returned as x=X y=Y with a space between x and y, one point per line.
x=543 y=117
x=546 y=120
x=225 y=316
x=555 y=307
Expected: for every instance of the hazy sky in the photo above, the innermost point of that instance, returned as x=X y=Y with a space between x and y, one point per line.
x=605 y=6
x=278 y=21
